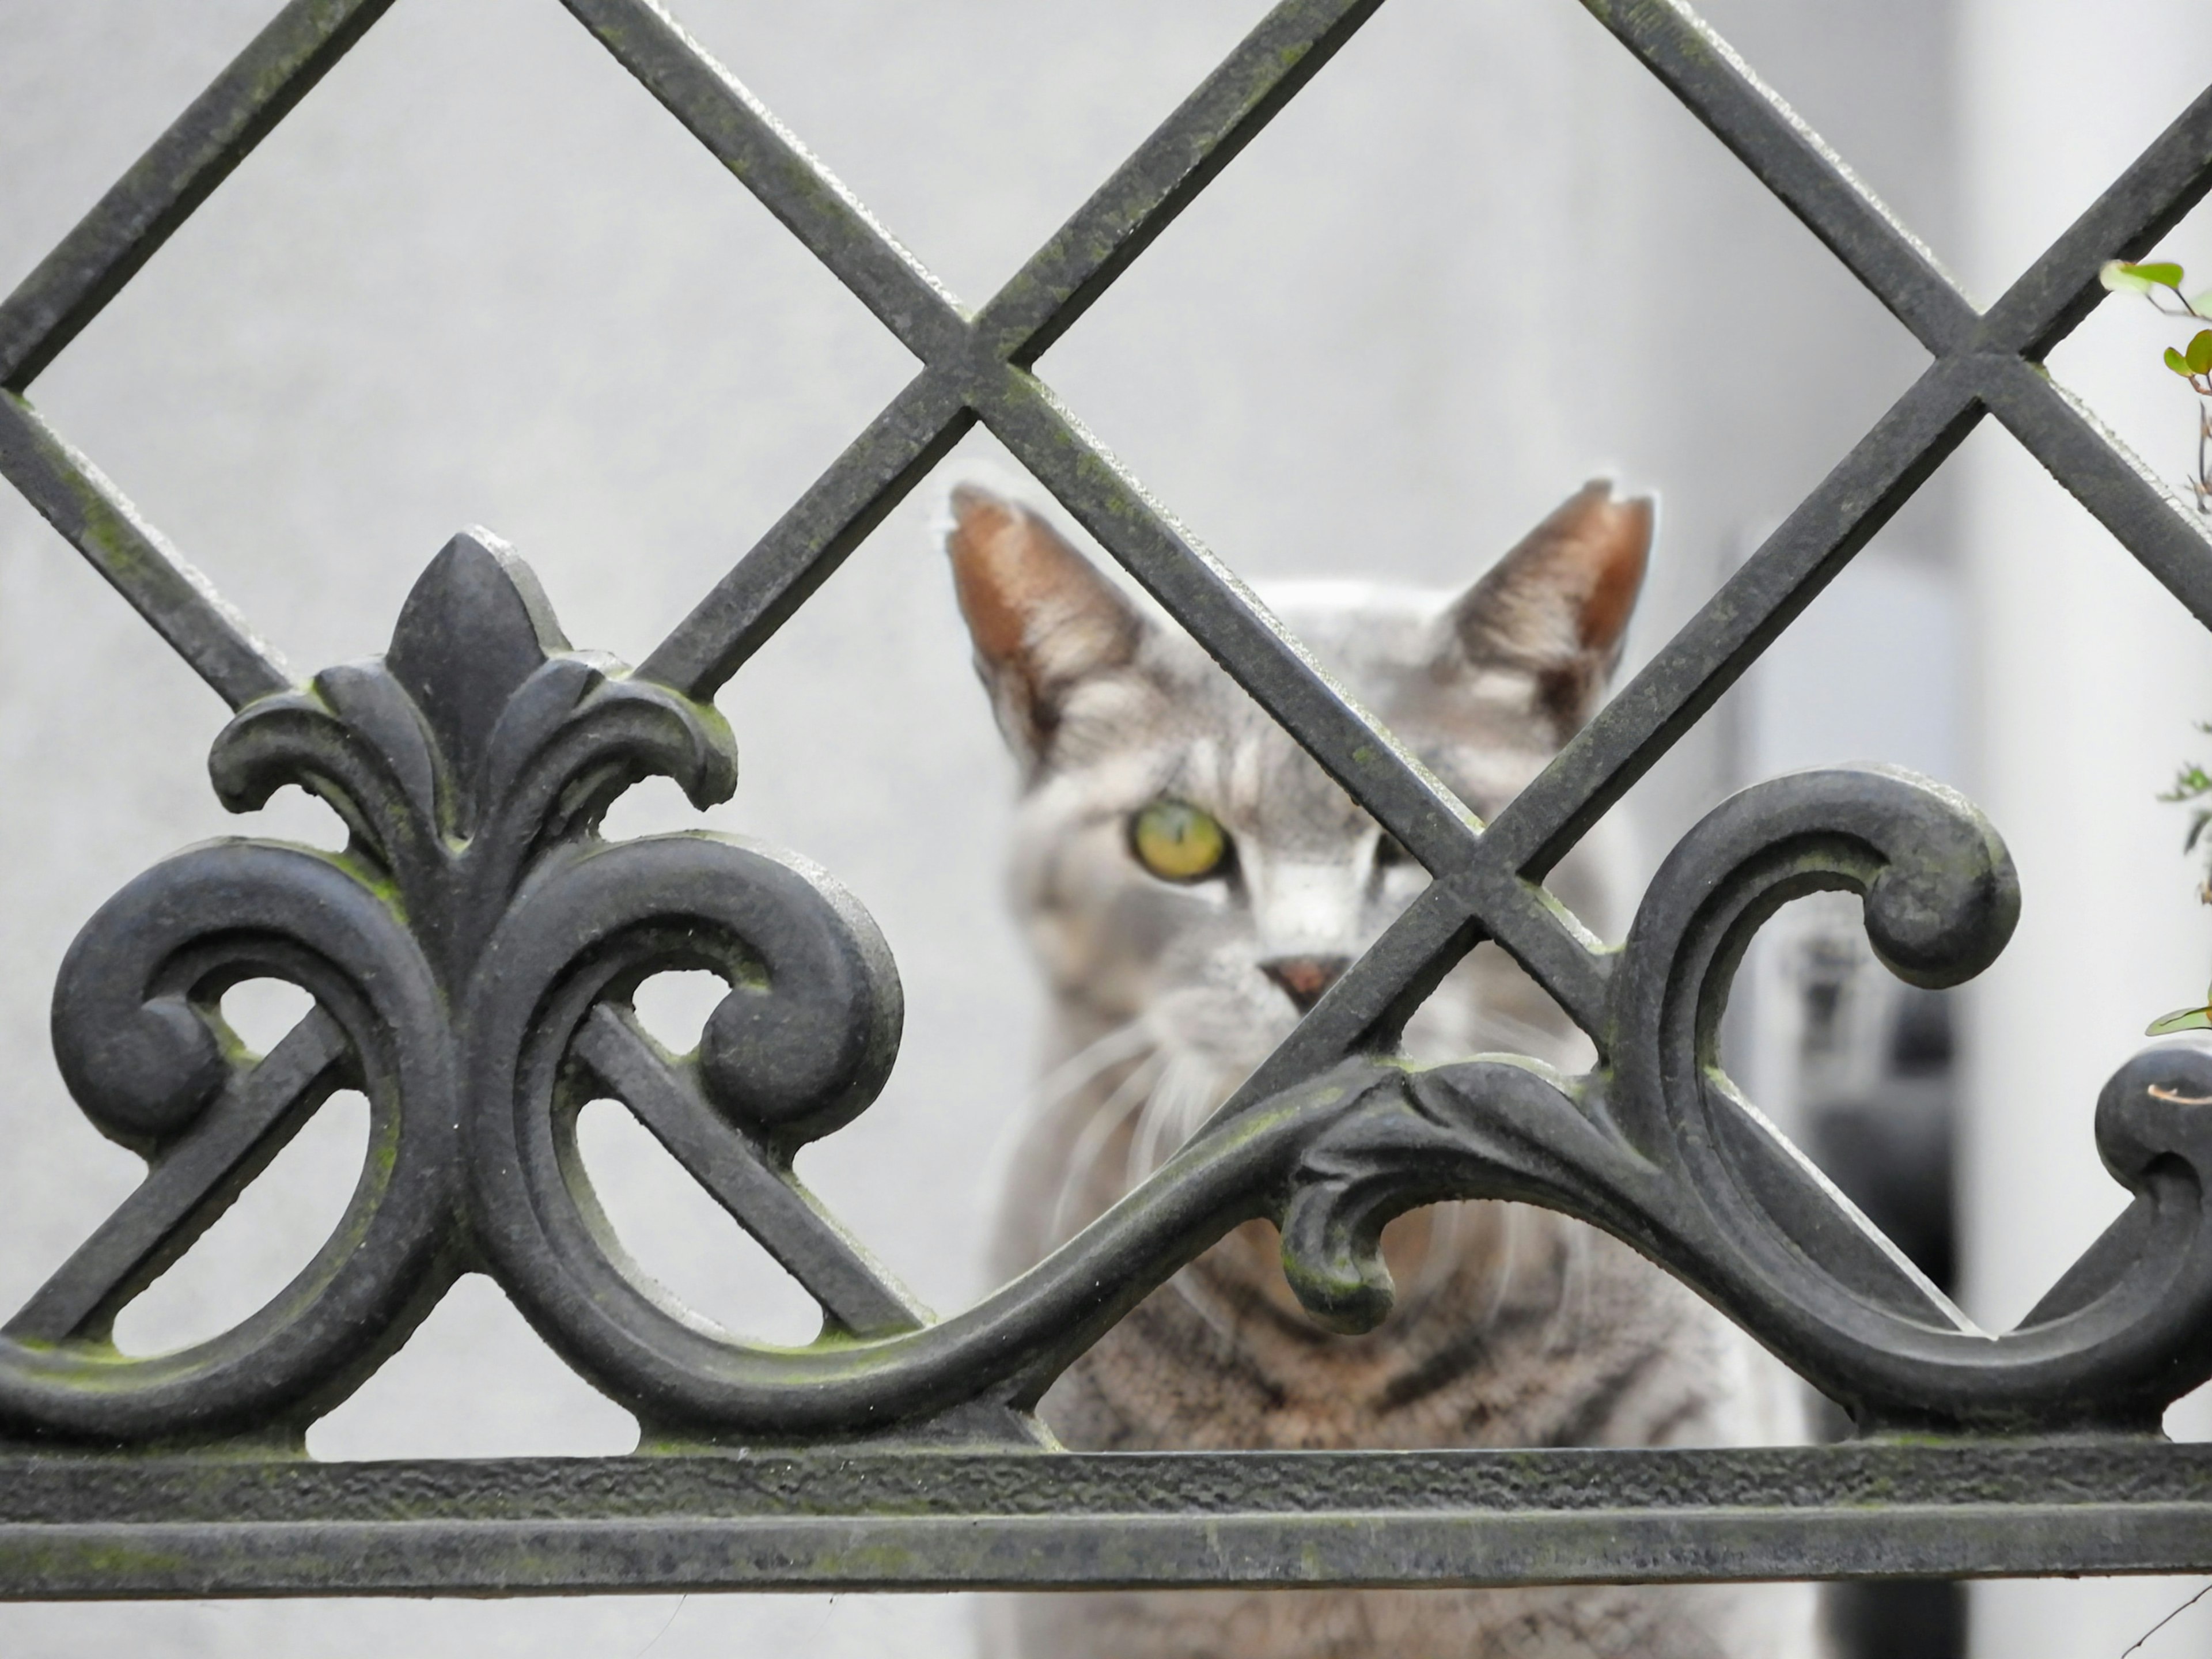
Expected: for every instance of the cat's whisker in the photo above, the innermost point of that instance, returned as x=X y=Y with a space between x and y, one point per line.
x=1079 y=1070
x=1082 y=1068
x=1184 y=1096
x=1128 y=1096
x=1571 y=1312
x=1448 y=1224
x=1511 y=1226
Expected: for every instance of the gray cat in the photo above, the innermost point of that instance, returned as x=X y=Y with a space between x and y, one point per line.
x=1192 y=883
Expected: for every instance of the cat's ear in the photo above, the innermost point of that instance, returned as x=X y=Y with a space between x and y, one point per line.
x=1556 y=608
x=1042 y=618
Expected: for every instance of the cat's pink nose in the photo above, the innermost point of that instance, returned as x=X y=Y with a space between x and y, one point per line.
x=1305 y=978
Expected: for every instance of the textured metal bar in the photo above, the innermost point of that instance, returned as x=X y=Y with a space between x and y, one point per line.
x=923 y=1520
x=93 y=515
x=1546 y=938
x=769 y=161
x=2146 y=516
x=876 y=472
x=1147 y=191
x=1790 y=159
x=191 y=1185
x=52 y=306
x=767 y=1202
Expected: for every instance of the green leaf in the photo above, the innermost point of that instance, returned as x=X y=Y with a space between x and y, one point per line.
x=2177 y=363
x=2182 y=1019
x=2118 y=276
x=2202 y=305
x=2200 y=352
x=2189 y=782
x=2168 y=276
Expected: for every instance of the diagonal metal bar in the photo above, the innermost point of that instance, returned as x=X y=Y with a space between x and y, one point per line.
x=1370 y=1005
x=1147 y=191
x=2153 y=195
x=218 y=131
x=771 y=162
x=1712 y=650
x=767 y=1202
x=1546 y=938
x=93 y=515
x=1228 y=620
x=1764 y=133
x=191 y=1184
x=743 y=610
x=2165 y=534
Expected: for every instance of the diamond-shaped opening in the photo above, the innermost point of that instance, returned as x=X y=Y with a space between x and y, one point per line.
x=685 y=1241
x=1533 y=266
x=973 y=140
x=474 y=1381
x=252 y=1252
x=479 y=275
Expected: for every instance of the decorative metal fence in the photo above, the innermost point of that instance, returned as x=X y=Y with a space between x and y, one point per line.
x=472 y=952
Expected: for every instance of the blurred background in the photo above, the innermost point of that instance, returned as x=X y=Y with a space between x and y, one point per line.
x=480 y=277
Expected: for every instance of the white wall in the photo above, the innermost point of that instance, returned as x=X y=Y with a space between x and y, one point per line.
x=2088 y=677
x=479 y=276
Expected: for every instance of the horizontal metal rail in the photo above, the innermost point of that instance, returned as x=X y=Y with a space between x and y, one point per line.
x=962 y=1520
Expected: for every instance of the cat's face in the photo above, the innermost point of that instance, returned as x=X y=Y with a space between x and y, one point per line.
x=1190 y=877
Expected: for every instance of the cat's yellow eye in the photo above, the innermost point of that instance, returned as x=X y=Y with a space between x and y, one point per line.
x=1177 y=842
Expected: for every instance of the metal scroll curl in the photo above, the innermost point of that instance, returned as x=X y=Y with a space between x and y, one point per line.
x=143 y=1046
x=1660 y=1149
x=473 y=955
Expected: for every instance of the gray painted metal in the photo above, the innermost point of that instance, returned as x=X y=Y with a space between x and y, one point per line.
x=964 y=1519
x=473 y=951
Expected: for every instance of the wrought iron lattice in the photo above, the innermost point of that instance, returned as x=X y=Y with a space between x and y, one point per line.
x=472 y=952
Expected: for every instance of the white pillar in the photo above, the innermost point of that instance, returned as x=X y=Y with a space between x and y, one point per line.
x=2088 y=677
